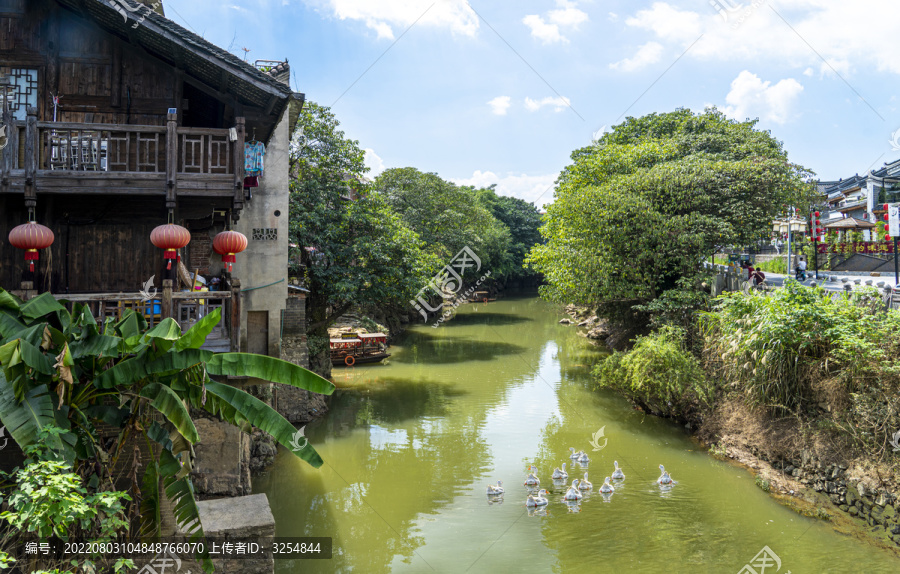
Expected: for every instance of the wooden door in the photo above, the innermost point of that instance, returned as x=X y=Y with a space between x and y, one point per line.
x=258 y=332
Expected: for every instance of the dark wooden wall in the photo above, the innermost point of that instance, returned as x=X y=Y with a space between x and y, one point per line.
x=102 y=243
x=101 y=78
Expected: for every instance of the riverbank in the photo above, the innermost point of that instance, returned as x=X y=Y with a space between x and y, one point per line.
x=800 y=461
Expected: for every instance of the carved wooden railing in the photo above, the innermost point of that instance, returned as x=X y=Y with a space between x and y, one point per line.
x=194 y=158
x=185 y=307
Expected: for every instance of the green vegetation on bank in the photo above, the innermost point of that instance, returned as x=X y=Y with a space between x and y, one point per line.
x=830 y=362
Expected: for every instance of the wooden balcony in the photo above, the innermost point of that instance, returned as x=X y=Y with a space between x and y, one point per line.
x=170 y=161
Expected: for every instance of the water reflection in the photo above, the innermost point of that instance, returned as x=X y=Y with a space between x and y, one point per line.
x=410 y=446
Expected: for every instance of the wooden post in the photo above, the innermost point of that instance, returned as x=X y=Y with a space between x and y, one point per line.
x=236 y=315
x=115 y=77
x=31 y=135
x=239 y=165
x=171 y=160
x=167 y=299
x=6 y=162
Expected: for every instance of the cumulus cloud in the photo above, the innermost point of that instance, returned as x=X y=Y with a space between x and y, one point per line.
x=649 y=53
x=546 y=28
x=374 y=163
x=752 y=97
x=756 y=32
x=537 y=189
x=558 y=104
x=386 y=17
x=500 y=105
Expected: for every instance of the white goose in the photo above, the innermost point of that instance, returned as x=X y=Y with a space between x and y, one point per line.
x=491 y=489
x=575 y=455
x=583 y=459
x=607 y=488
x=585 y=484
x=618 y=474
x=539 y=500
x=532 y=479
x=560 y=474
x=573 y=492
x=664 y=478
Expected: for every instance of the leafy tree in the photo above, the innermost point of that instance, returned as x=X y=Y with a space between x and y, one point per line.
x=60 y=368
x=654 y=198
x=353 y=250
x=447 y=217
x=523 y=220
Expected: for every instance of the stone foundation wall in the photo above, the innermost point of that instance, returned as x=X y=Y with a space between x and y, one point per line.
x=222 y=465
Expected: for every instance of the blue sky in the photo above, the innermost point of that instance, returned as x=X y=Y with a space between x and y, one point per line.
x=502 y=92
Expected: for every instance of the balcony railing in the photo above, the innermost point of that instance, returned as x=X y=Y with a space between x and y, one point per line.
x=185 y=307
x=61 y=156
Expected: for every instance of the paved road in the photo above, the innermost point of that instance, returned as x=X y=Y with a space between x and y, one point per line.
x=777 y=280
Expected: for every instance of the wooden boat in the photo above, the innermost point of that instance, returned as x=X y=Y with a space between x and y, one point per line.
x=481 y=297
x=353 y=348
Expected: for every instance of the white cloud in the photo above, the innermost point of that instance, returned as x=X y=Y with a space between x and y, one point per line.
x=757 y=33
x=500 y=105
x=374 y=163
x=751 y=97
x=537 y=189
x=649 y=53
x=558 y=103
x=547 y=28
x=386 y=17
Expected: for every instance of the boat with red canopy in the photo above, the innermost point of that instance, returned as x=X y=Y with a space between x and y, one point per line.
x=354 y=348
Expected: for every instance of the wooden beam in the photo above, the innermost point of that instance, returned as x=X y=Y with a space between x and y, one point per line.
x=171 y=160
x=31 y=135
x=115 y=75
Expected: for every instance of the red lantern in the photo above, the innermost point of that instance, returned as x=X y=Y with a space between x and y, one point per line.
x=885 y=207
x=887 y=217
x=817 y=214
x=170 y=237
x=31 y=237
x=228 y=244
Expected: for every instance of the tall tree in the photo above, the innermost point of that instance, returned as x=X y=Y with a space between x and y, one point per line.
x=640 y=210
x=351 y=248
x=447 y=217
x=523 y=220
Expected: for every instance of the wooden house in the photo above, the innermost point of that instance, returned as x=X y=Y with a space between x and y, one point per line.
x=117 y=121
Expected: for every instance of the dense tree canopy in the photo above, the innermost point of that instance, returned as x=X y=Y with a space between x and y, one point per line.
x=639 y=210
x=523 y=220
x=351 y=251
x=447 y=217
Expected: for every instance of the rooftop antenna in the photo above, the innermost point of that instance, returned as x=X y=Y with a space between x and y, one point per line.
x=246 y=51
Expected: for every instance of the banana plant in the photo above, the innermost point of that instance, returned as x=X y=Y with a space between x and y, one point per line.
x=60 y=368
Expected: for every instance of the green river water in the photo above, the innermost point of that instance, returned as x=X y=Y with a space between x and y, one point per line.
x=410 y=446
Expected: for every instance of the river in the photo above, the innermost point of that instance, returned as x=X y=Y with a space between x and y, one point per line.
x=410 y=446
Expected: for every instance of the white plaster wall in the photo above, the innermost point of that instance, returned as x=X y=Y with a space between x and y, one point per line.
x=265 y=262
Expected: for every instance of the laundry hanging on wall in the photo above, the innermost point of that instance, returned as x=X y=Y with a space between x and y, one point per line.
x=254 y=152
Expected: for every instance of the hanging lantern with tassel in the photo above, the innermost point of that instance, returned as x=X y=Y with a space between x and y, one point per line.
x=228 y=244
x=31 y=237
x=170 y=237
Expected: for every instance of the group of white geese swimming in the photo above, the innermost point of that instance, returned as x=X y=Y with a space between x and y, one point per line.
x=575 y=492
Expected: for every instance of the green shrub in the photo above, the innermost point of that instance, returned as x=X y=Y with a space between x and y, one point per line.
x=659 y=373
x=806 y=352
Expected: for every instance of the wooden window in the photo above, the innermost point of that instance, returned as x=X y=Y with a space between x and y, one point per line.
x=26 y=82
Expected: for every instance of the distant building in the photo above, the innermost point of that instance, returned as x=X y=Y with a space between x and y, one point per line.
x=860 y=197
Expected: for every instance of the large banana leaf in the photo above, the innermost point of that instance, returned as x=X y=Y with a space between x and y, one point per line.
x=9 y=326
x=26 y=419
x=196 y=335
x=95 y=345
x=167 y=402
x=43 y=304
x=130 y=370
x=9 y=301
x=268 y=369
x=151 y=521
x=261 y=415
x=181 y=492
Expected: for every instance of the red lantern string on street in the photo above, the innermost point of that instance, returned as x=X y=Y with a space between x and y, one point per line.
x=170 y=237
x=228 y=244
x=32 y=237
